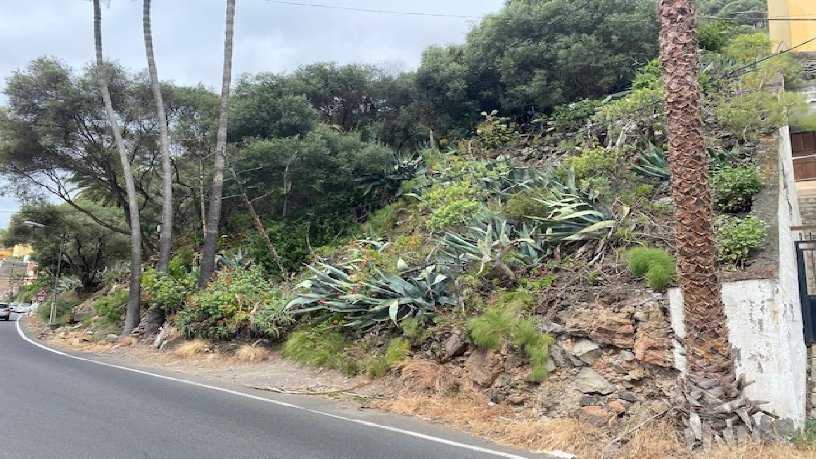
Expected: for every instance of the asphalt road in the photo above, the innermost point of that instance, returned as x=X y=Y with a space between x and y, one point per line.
x=82 y=406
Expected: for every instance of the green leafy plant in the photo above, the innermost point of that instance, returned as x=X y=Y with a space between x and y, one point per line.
x=501 y=324
x=450 y=204
x=380 y=298
x=319 y=346
x=571 y=117
x=573 y=216
x=738 y=238
x=807 y=437
x=653 y=163
x=111 y=308
x=226 y=307
x=735 y=187
x=495 y=130
x=396 y=351
x=655 y=265
x=166 y=291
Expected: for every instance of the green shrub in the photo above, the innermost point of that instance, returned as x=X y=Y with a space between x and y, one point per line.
x=382 y=220
x=644 y=191
x=738 y=238
x=396 y=351
x=496 y=131
x=450 y=204
x=488 y=330
x=111 y=308
x=807 y=437
x=571 y=117
x=168 y=292
x=524 y=204
x=655 y=265
x=66 y=301
x=500 y=324
x=735 y=187
x=318 y=346
x=224 y=309
x=715 y=35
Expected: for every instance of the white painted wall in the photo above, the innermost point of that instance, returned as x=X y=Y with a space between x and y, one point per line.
x=765 y=316
x=764 y=334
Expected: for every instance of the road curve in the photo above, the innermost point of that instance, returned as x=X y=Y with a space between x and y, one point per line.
x=71 y=405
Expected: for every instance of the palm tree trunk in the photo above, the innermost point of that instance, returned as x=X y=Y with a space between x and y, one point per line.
x=133 y=314
x=156 y=316
x=214 y=216
x=711 y=381
x=164 y=144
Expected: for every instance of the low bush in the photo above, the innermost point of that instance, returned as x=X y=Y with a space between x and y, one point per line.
x=226 y=307
x=501 y=324
x=396 y=351
x=571 y=117
x=738 y=238
x=66 y=301
x=735 y=187
x=524 y=204
x=111 y=308
x=655 y=265
x=318 y=346
x=168 y=292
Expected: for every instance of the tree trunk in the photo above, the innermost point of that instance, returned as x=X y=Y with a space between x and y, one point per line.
x=156 y=316
x=214 y=216
x=259 y=225
x=166 y=236
x=133 y=309
x=710 y=363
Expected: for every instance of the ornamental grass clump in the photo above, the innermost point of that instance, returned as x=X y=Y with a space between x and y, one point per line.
x=654 y=265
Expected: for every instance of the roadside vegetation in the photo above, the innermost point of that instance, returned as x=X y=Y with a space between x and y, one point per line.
x=373 y=215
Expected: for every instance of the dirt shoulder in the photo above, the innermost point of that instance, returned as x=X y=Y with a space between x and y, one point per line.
x=418 y=388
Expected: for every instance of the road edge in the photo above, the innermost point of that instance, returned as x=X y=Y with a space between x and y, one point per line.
x=370 y=424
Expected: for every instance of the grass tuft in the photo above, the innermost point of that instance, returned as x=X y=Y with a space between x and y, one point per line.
x=396 y=352
x=192 y=348
x=655 y=265
x=319 y=347
x=251 y=354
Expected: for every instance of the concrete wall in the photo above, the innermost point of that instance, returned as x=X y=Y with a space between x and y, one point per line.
x=765 y=316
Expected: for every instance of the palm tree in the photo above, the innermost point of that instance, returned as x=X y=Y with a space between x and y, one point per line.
x=133 y=313
x=714 y=395
x=214 y=217
x=164 y=144
x=156 y=315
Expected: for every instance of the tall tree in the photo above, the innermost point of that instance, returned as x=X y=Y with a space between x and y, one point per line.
x=133 y=314
x=216 y=192
x=713 y=392
x=166 y=235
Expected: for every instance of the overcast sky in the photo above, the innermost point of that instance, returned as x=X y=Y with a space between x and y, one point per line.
x=188 y=36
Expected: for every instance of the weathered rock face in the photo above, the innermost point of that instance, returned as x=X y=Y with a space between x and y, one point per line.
x=483 y=367
x=589 y=381
x=587 y=351
x=595 y=415
x=454 y=346
x=602 y=324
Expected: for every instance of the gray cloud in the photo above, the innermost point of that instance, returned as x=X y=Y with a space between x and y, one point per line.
x=188 y=35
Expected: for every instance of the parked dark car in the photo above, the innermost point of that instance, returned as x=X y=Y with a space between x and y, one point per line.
x=5 y=311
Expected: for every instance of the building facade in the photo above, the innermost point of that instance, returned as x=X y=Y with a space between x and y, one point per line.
x=787 y=34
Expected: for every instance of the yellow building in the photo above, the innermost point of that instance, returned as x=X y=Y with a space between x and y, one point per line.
x=790 y=34
x=21 y=250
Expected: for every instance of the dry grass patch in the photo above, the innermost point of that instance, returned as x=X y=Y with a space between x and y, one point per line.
x=772 y=451
x=251 y=354
x=192 y=348
x=128 y=341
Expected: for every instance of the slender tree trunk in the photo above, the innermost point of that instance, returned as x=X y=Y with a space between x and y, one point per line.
x=259 y=225
x=166 y=236
x=713 y=392
x=133 y=314
x=155 y=317
x=214 y=217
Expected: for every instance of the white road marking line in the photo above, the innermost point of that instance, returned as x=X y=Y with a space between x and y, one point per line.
x=409 y=433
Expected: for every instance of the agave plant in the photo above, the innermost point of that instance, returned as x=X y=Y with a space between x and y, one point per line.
x=572 y=216
x=654 y=163
x=237 y=260
x=382 y=298
x=490 y=238
x=389 y=181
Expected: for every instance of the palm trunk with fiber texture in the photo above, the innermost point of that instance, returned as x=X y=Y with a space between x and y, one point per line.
x=133 y=313
x=716 y=408
x=214 y=215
